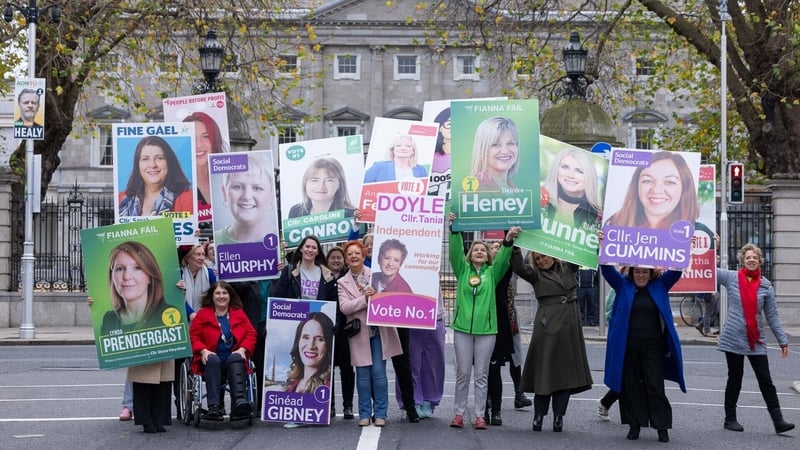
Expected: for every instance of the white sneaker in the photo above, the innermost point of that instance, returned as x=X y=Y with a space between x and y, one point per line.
x=602 y=411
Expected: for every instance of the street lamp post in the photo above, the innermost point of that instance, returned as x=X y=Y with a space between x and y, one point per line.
x=575 y=84
x=723 y=149
x=31 y=13
x=211 y=55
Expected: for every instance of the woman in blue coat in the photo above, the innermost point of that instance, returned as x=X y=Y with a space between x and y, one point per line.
x=643 y=348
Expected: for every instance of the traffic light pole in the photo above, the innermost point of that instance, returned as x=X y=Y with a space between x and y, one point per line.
x=723 y=148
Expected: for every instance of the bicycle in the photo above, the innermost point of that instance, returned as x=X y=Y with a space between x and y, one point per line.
x=692 y=309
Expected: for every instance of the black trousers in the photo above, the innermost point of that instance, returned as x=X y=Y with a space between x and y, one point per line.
x=760 y=366
x=402 y=368
x=216 y=373
x=643 y=401
x=494 y=391
x=608 y=400
x=151 y=404
x=541 y=403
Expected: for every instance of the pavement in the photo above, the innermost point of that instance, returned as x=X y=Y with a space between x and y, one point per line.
x=85 y=336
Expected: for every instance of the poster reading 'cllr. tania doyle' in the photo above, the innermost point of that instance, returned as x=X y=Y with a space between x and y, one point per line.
x=495 y=164
x=701 y=275
x=321 y=183
x=298 y=361
x=651 y=209
x=154 y=175
x=572 y=193
x=406 y=258
x=138 y=313
x=245 y=215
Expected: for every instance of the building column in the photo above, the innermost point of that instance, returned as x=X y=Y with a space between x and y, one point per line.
x=7 y=180
x=786 y=247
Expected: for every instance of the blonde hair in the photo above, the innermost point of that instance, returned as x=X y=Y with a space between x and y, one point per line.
x=389 y=156
x=750 y=247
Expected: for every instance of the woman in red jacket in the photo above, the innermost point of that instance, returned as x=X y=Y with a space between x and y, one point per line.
x=222 y=340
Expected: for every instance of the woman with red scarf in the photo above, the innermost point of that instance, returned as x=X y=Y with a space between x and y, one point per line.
x=750 y=295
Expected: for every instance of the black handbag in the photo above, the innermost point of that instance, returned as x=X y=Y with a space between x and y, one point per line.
x=352 y=328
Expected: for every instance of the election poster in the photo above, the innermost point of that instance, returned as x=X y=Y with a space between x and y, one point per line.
x=438 y=111
x=651 y=208
x=701 y=275
x=138 y=313
x=29 y=96
x=154 y=175
x=209 y=113
x=298 y=361
x=330 y=172
x=495 y=164
x=572 y=191
x=244 y=207
x=406 y=252
x=398 y=161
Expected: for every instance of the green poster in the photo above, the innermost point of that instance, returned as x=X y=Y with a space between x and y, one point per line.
x=572 y=192
x=495 y=164
x=138 y=312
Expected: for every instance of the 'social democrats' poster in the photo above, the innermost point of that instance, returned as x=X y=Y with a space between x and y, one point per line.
x=701 y=275
x=495 y=164
x=321 y=183
x=406 y=252
x=398 y=161
x=298 y=361
x=245 y=215
x=138 y=313
x=651 y=208
x=154 y=175
x=209 y=113
x=573 y=184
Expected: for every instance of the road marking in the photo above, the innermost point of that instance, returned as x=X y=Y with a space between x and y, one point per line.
x=24 y=386
x=369 y=438
x=57 y=419
x=26 y=436
x=71 y=399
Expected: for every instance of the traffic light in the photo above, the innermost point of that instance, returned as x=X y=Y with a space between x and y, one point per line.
x=736 y=182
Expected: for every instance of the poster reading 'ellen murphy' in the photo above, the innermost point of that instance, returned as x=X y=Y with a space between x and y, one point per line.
x=298 y=361
x=572 y=192
x=406 y=252
x=651 y=210
x=701 y=275
x=245 y=215
x=322 y=181
x=154 y=175
x=137 y=312
x=398 y=161
x=495 y=164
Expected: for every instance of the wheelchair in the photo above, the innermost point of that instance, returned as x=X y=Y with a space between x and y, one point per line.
x=192 y=390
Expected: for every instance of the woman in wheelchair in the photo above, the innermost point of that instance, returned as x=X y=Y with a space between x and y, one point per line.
x=222 y=339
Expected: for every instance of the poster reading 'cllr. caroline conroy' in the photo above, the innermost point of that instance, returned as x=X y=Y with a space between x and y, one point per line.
x=495 y=164
x=321 y=183
x=138 y=313
x=154 y=175
x=298 y=361
x=406 y=258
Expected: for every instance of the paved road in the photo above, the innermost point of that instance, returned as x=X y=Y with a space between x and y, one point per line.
x=55 y=397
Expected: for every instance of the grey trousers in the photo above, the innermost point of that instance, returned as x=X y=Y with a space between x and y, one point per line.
x=469 y=348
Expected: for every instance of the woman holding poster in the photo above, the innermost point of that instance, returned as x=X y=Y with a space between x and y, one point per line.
x=137 y=289
x=370 y=347
x=572 y=192
x=157 y=183
x=400 y=163
x=556 y=365
x=324 y=189
x=474 y=320
x=311 y=354
x=659 y=194
x=495 y=154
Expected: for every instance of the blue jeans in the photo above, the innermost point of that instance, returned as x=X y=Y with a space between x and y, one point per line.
x=371 y=380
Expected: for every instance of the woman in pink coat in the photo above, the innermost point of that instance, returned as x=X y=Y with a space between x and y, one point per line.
x=371 y=346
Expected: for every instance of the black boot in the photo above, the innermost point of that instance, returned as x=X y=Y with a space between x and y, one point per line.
x=730 y=420
x=411 y=414
x=241 y=408
x=781 y=426
x=633 y=433
x=520 y=401
x=663 y=436
x=497 y=420
x=537 y=422
x=558 y=423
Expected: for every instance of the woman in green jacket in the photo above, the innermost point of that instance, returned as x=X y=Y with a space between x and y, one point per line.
x=474 y=321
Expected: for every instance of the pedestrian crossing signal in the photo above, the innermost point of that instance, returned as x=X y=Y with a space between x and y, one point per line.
x=736 y=183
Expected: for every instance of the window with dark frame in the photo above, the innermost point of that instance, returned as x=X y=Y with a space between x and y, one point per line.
x=644 y=67
x=287 y=135
x=105 y=145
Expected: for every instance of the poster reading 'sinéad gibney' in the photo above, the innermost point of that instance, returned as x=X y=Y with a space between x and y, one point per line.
x=406 y=258
x=154 y=175
x=321 y=183
x=298 y=361
x=572 y=192
x=495 y=164
x=651 y=209
x=138 y=312
x=245 y=215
